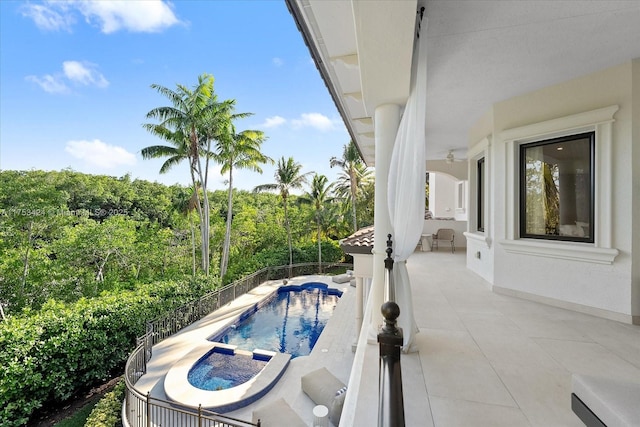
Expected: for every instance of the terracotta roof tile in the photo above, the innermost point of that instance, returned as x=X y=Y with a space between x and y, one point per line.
x=360 y=242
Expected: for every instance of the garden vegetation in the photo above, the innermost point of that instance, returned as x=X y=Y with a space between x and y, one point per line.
x=87 y=260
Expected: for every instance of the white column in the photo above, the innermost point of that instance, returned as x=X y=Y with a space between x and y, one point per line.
x=386 y=122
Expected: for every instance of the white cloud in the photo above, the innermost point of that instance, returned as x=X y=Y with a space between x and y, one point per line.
x=76 y=72
x=84 y=73
x=274 y=122
x=314 y=120
x=46 y=17
x=110 y=15
x=99 y=154
x=49 y=83
x=148 y=16
x=278 y=62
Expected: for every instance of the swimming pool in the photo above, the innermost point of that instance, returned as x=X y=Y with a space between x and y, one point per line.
x=220 y=369
x=291 y=321
x=224 y=371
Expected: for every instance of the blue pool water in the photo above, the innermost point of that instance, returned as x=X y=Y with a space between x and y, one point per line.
x=219 y=370
x=290 y=322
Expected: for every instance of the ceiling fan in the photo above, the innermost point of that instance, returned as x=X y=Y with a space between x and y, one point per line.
x=451 y=158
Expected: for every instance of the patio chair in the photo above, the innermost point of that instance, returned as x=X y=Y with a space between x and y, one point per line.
x=446 y=235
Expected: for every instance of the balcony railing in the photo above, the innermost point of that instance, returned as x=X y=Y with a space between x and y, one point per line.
x=390 y=396
x=142 y=410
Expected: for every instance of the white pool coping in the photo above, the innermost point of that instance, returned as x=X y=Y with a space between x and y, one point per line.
x=178 y=389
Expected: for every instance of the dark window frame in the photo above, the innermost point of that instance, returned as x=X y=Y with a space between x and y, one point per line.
x=480 y=193
x=523 y=183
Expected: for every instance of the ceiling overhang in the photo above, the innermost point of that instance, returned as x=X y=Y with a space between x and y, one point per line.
x=363 y=51
x=479 y=53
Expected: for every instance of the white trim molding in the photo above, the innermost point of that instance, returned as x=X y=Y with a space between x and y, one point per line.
x=478 y=237
x=562 y=250
x=599 y=121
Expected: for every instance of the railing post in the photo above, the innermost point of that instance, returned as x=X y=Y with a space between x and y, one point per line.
x=388 y=265
x=390 y=400
x=148 y=409
x=200 y=415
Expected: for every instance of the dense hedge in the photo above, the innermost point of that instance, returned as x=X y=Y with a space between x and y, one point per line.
x=331 y=252
x=49 y=355
x=108 y=411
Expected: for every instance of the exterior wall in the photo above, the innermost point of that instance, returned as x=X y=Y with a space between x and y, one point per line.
x=602 y=289
x=442 y=195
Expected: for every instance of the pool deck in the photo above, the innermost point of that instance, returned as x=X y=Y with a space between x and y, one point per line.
x=332 y=350
x=482 y=359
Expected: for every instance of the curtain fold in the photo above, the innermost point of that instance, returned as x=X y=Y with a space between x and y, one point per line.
x=406 y=188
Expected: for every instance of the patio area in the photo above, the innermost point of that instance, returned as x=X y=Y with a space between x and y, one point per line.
x=482 y=359
x=485 y=359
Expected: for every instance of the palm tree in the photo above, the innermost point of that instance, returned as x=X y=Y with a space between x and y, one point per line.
x=185 y=204
x=349 y=187
x=318 y=196
x=349 y=162
x=237 y=151
x=288 y=177
x=184 y=125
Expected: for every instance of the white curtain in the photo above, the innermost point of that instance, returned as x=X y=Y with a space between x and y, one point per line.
x=406 y=187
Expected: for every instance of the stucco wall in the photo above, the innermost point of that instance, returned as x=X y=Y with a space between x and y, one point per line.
x=442 y=192
x=607 y=288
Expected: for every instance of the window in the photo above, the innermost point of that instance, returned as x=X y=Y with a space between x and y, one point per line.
x=461 y=196
x=557 y=188
x=480 y=194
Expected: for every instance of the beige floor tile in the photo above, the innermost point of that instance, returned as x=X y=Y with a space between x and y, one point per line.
x=461 y=413
x=542 y=394
x=454 y=367
x=590 y=358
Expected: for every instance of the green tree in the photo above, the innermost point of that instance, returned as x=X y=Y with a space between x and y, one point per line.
x=237 y=150
x=31 y=215
x=185 y=204
x=352 y=170
x=318 y=195
x=94 y=248
x=288 y=177
x=350 y=187
x=188 y=126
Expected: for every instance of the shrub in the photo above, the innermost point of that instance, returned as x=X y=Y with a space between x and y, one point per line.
x=50 y=354
x=108 y=411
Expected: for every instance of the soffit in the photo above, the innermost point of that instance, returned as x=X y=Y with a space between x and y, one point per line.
x=479 y=53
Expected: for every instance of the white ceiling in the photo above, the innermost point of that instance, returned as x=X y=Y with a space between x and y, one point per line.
x=479 y=53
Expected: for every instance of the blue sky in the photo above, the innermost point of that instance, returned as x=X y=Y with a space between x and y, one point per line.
x=75 y=82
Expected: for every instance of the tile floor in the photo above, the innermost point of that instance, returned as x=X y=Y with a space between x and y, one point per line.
x=485 y=359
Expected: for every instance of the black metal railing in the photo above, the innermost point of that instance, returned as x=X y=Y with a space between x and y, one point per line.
x=142 y=410
x=390 y=398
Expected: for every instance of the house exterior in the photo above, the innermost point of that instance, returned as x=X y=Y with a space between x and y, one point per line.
x=541 y=101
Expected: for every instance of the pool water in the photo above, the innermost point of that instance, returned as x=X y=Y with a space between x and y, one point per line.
x=291 y=322
x=221 y=370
